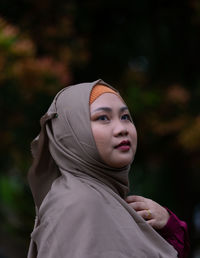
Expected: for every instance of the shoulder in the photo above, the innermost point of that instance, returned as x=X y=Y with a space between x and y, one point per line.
x=72 y=200
x=87 y=199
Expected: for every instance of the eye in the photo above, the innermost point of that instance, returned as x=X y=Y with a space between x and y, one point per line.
x=126 y=117
x=102 y=118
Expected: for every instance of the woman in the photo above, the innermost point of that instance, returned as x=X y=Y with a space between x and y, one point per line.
x=79 y=181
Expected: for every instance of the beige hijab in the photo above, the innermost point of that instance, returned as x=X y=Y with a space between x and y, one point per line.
x=81 y=212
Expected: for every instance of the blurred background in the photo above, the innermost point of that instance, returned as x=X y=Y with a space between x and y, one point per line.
x=149 y=50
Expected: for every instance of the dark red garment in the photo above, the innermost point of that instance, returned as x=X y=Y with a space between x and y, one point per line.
x=176 y=233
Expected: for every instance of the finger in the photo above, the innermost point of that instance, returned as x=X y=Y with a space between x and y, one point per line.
x=135 y=198
x=152 y=223
x=145 y=214
x=138 y=206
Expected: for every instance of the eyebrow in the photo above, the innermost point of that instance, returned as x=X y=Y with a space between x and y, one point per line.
x=107 y=109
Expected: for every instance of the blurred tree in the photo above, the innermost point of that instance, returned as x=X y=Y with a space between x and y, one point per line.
x=27 y=85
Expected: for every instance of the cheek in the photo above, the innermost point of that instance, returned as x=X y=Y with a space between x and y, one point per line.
x=99 y=136
x=133 y=135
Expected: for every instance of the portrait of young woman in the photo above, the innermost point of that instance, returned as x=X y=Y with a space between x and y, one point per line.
x=79 y=182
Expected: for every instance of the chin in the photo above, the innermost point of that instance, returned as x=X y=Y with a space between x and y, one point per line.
x=121 y=164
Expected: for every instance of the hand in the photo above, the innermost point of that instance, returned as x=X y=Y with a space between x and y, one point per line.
x=155 y=215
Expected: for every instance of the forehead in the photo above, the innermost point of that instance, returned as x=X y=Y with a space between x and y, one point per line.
x=108 y=100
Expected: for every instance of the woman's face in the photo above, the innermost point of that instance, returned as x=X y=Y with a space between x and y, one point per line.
x=114 y=133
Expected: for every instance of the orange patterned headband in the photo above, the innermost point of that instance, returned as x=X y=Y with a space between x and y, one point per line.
x=98 y=90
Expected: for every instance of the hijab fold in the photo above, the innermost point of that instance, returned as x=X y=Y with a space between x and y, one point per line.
x=79 y=199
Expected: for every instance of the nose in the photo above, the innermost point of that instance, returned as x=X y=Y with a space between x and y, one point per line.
x=120 y=129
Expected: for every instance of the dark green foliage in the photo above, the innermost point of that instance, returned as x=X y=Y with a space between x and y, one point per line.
x=149 y=50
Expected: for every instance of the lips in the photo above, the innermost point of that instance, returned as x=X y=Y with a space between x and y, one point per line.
x=124 y=143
